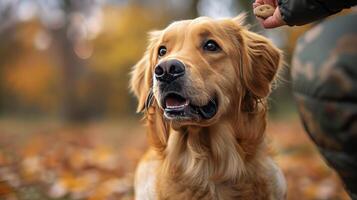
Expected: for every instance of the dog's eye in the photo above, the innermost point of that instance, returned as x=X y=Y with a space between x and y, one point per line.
x=211 y=45
x=162 y=50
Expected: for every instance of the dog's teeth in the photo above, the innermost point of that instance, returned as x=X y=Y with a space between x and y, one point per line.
x=180 y=106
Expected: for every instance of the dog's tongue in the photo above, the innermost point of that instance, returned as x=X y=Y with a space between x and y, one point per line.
x=171 y=102
x=175 y=102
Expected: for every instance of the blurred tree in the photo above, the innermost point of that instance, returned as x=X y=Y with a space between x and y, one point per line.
x=67 y=21
x=193 y=10
x=117 y=49
x=7 y=26
x=72 y=65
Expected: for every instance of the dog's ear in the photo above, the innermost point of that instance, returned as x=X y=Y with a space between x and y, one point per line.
x=257 y=57
x=259 y=63
x=141 y=75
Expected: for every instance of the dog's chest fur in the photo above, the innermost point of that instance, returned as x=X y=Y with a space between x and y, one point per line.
x=189 y=171
x=149 y=185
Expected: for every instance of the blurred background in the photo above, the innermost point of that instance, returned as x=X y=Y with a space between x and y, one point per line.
x=68 y=127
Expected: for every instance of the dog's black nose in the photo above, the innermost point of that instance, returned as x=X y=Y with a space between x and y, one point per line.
x=169 y=70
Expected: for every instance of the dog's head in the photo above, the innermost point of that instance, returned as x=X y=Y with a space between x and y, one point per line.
x=197 y=71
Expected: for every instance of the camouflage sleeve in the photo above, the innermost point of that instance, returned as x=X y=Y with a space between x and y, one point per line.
x=324 y=76
x=300 y=12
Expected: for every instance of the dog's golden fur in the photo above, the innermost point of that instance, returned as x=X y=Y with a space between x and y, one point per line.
x=225 y=157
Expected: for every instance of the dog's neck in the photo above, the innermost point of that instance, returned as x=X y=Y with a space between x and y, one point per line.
x=205 y=154
x=218 y=153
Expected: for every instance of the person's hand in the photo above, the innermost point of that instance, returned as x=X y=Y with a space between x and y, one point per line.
x=272 y=21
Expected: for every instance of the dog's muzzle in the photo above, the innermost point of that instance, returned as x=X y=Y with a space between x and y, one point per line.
x=175 y=101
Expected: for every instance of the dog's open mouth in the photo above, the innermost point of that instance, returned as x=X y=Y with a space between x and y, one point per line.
x=178 y=107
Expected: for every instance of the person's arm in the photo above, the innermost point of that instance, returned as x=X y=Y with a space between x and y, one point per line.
x=300 y=12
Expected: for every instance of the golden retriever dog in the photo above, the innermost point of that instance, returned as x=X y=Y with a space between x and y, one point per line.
x=202 y=85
